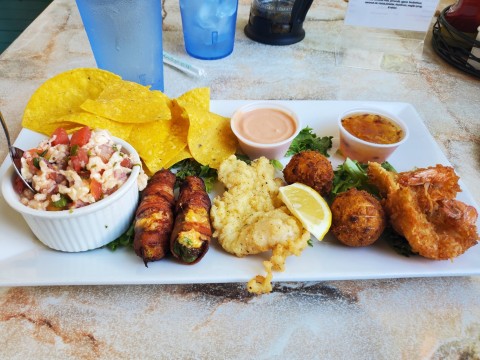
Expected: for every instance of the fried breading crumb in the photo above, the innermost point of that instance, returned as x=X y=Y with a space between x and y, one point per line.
x=249 y=218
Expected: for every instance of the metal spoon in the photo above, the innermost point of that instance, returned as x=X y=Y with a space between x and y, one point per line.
x=15 y=154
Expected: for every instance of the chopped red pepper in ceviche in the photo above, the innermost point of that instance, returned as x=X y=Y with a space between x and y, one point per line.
x=71 y=172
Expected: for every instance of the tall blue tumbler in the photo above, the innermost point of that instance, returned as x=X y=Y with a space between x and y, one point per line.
x=126 y=38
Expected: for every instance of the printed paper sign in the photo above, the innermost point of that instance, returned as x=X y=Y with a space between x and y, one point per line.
x=413 y=15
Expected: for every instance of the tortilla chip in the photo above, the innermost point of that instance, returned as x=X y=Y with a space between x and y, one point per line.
x=120 y=130
x=199 y=97
x=129 y=102
x=210 y=138
x=182 y=155
x=160 y=141
x=63 y=94
x=163 y=131
x=49 y=128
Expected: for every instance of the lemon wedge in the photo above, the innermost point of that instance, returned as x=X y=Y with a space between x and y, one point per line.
x=309 y=207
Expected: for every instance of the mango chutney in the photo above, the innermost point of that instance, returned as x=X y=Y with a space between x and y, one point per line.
x=373 y=128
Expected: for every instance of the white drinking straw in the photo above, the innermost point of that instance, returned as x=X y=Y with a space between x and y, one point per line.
x=182 y=65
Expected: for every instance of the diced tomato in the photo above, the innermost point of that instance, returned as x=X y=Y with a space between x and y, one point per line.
x=126 y=162
x=18 y=184
x=106 y=152
x=79 y=160
x=61 y=137
x=96 y=189
x=81 y=136
x=33 y=152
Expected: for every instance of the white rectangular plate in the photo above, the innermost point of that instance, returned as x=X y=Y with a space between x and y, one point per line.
x=25 y=261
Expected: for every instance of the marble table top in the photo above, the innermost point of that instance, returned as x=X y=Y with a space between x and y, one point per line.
x=419 y=318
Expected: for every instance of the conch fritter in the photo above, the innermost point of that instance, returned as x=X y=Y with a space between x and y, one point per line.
x=422 y=207
x=310 y=168
x=249 y=218
x=358 y=218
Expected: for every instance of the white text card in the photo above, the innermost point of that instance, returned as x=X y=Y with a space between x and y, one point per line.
x=412 y=15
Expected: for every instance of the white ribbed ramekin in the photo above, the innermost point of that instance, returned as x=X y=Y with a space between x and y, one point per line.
x=85 y=228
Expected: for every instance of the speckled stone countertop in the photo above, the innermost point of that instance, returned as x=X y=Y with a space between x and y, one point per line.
x=422 y=318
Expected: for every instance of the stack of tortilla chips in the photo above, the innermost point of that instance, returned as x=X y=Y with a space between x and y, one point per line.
x=162 y=130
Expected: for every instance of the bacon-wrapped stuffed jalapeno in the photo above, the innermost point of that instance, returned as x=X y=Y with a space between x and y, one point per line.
x=192 y=230
x=154 y=217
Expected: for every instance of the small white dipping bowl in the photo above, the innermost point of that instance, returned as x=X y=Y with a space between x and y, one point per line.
x=85 y=228
x=254 y=149
x=364 y=151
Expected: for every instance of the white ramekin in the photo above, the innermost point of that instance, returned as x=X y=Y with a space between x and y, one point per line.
x=364 y=151
x=85 y=228
x=254 y=149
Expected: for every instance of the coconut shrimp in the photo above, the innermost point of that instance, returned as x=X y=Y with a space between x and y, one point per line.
x=421 y=206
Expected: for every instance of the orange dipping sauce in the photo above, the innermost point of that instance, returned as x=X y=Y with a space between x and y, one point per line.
x=373 y=128
x=266 y=125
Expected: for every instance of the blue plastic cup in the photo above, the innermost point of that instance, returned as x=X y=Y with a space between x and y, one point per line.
x=209 y=27
x=126 y=38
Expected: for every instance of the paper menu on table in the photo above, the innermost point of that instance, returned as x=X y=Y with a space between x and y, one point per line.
x=411 y=15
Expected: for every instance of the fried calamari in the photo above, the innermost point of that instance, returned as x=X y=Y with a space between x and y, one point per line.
x=249 y=218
